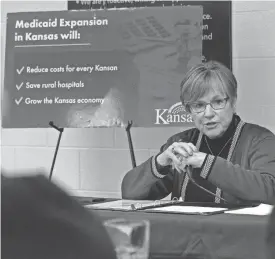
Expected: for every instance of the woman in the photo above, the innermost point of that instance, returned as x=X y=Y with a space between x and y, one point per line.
x=230 y=158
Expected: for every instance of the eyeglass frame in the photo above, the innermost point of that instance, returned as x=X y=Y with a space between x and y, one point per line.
x=210 y=103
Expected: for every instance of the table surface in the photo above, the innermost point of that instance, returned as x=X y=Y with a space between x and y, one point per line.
x=222 y=236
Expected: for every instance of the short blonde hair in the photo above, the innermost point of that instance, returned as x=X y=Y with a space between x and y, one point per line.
x=202 y=78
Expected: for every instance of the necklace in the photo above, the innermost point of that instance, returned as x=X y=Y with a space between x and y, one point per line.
x=221 y=149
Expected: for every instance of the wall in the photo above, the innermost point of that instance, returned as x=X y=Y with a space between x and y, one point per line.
x=93 y=161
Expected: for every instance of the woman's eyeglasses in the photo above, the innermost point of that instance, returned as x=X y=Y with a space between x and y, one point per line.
x=198 y=107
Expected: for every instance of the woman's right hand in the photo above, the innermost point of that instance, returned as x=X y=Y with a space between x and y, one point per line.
x=172 y=155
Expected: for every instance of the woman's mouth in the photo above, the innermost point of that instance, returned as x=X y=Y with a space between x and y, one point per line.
x=211 y=125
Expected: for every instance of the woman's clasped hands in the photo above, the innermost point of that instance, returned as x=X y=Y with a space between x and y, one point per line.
x=180 y=155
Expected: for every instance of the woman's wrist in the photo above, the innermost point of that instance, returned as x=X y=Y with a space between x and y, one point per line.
x=160 y=162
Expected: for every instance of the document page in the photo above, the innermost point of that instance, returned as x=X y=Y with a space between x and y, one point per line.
x=190 y=209
x=261 y=210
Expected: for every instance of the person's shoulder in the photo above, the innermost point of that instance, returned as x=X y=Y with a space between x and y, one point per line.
x=188 y=135
x=258 y=131
x=256 y=134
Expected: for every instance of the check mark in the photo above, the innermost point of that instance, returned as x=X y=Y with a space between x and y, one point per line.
x=19 y=71
x=19 y=86
x=18 y=101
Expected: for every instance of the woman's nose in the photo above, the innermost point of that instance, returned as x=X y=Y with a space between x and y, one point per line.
x=209 y=111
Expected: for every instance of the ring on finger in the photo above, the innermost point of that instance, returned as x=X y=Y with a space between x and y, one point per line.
x=173 y=150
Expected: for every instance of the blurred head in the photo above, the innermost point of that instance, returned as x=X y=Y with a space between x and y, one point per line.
x=209 y=93
x=39 y=220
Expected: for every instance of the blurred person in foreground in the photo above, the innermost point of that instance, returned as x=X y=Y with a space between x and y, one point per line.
x=40 y=221
x=232 y=159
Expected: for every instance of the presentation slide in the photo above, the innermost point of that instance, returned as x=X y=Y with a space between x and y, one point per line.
x=99 y=68
x=217 y=22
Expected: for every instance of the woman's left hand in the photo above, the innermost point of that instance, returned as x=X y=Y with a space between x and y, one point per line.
x=196 y=160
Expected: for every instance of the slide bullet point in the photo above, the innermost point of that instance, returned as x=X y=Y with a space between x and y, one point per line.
x=19 y=71
x=18 y=101
x=19 y=86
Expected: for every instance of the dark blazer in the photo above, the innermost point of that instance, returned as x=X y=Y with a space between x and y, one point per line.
x=248 y=173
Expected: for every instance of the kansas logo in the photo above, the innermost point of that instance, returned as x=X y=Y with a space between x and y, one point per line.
x=175 y=114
